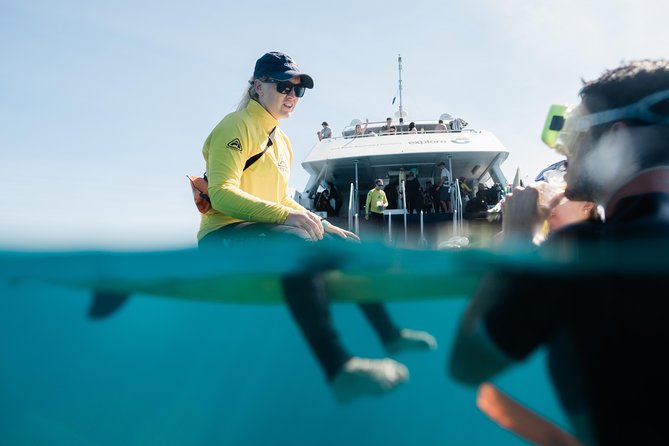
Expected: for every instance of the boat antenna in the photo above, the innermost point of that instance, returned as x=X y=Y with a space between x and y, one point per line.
x=399 y=67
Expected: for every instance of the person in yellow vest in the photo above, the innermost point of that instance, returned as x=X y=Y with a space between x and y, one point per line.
x=376 y=203
x=250 y=203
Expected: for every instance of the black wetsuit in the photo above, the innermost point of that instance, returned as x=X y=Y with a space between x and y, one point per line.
x=606 y=333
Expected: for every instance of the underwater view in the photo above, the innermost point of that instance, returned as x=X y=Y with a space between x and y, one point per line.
x=164 y=371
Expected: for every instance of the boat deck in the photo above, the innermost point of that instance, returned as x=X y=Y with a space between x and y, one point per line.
x=437 y=228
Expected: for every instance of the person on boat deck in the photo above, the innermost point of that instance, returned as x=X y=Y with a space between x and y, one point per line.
x=322 y=201
x=414 y=193
x=360 y=130
x=429 y=197
x=412 y=127
x=444 y=187
x=392 y=193
x=440 y=127
x=249 y=205
x=605 y=323
x=465 y=190
x=325 y=133
x=457 y=124
x=386 y=128
x=376 y=203
x=336 y=196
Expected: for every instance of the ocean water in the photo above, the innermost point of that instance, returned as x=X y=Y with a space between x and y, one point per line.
x=165 y=371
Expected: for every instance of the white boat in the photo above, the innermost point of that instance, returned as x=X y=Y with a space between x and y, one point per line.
x=351 y=163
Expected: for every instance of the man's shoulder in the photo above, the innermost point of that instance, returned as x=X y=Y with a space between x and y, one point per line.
x=576 y=232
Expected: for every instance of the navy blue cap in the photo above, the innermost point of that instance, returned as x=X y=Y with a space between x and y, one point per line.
x=281 y=67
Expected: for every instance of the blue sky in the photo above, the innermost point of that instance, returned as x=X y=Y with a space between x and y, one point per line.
x=104 y=107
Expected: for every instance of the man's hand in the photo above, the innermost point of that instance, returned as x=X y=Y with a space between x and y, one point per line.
x=526 y=209
x=520 y=213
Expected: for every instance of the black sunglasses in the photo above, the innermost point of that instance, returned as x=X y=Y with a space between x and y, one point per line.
x=284 y=87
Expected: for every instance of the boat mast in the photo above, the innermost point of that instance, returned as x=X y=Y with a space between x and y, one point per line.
x=399 y=66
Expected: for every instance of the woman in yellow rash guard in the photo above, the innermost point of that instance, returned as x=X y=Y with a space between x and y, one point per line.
x=251 y=202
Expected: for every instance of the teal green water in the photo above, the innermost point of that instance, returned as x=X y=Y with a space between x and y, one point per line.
x=175 y=372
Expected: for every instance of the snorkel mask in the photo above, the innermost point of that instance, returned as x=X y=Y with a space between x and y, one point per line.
x=563 y=124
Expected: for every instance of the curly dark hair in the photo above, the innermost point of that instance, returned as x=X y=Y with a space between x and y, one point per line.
x=627 y=84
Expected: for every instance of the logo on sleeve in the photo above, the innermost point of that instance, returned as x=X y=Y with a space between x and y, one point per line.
x=235 y=144
x=282 y=164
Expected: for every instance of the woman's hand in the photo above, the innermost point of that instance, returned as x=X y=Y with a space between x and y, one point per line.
x=307 y=221
x=343 y=233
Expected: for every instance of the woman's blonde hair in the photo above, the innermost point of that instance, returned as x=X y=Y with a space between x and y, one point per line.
x=249 y=94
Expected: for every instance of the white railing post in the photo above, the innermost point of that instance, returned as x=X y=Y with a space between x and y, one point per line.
x=404 y=206
x=351 y=203
x=423 y=242
x=390 y=228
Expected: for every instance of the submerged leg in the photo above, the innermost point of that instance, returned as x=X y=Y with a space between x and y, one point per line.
x=379 y=318
x=306 y=297
x=308 y=303
x=394 y=339
x=350 y=377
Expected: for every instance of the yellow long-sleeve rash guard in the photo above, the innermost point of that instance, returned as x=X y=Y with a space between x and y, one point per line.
x=259 y=193
x=374 y=196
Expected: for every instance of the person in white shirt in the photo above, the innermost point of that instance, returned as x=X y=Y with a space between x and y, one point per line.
x=444 y=187
x=458 y=124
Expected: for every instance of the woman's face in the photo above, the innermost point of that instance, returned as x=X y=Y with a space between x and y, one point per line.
x=569 y=212
x=277 y=104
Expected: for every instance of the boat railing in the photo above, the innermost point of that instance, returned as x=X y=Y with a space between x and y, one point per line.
x=404 y=206
x=457 y=209
x=390 y=213
x=402 y=211
x=351 y=207
x=353 y=216
x=372 y=133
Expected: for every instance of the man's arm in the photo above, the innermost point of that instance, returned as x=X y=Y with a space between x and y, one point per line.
x=474 y=357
